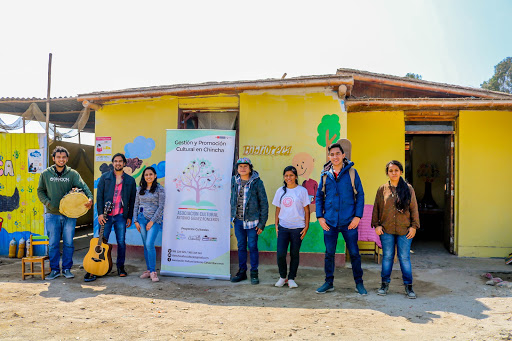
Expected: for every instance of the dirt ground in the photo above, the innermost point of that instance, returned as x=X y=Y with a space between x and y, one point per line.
x=453 y=303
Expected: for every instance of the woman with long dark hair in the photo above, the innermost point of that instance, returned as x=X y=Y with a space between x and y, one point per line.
x=395 y=219
x=147 y=217
x=292 y=224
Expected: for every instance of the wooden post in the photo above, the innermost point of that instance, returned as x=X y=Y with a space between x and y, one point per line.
x=342 y=91
x=48 y=101
x=23 y=125
x=91 y=105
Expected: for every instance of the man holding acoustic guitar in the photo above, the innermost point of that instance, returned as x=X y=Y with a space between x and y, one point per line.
x=118 y=188
x=55 y=183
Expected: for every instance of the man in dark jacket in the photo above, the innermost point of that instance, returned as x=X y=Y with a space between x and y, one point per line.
x=120 y=189
x=55 y=182
x=339 y=208
x=249 y=212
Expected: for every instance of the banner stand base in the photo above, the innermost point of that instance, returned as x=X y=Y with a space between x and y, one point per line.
x=205 y=276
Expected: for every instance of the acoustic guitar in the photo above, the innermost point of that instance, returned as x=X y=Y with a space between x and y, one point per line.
x=98 y=260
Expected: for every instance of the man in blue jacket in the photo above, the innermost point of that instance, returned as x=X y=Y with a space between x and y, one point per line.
x=339 y=208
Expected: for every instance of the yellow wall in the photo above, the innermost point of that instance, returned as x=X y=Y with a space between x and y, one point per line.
x=284 y=120
x=484 y=184
x=126 y=120
x=377 y=138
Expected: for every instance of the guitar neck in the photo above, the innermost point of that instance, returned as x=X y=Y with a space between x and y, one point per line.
x=106 y=211
x=100 y=235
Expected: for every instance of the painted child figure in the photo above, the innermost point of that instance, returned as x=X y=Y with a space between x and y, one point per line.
x=304 y=163
x=249 y=212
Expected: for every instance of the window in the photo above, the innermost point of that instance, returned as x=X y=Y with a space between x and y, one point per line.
x=222 y=119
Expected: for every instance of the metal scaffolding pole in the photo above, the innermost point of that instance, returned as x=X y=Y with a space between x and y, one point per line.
x=48 y=101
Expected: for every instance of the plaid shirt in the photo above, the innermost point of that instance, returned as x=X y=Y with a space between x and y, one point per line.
x=117 y=201
x=247 y=224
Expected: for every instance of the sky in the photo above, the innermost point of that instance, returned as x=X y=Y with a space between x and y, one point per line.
x=109 y=45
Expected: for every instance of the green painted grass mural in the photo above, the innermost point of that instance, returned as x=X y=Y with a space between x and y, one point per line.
x=313 y=242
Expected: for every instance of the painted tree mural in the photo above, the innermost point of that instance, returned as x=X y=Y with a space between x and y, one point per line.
x=328 y=130
x=198 y=176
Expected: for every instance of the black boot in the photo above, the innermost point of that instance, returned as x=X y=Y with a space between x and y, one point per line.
x=383 y=291
x=121 y=271
x=89 y=277
x=409 y=292
x=254 y=277
x=240 y=276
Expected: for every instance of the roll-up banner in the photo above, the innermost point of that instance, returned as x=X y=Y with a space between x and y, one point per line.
x=196 y=227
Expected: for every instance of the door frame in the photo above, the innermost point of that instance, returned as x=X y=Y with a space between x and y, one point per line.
x=441 y=116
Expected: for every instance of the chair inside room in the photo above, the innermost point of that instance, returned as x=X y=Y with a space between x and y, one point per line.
x=368 y=241
x=377 y=254
x=31 y=259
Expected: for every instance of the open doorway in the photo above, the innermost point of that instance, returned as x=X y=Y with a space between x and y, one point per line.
x=430 y=170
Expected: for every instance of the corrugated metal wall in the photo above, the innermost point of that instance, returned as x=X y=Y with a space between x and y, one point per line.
x=19 y=218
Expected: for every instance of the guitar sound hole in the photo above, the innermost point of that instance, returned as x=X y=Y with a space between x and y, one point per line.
x=98 y=249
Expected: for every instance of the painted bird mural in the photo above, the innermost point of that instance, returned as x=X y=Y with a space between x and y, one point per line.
x=10 y=203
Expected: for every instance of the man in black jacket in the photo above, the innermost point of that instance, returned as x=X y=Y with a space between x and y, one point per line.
x=119 y=188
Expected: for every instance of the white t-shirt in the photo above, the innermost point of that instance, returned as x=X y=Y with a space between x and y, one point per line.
x=292 y=205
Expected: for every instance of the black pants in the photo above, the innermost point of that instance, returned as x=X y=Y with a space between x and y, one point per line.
x=287 y=237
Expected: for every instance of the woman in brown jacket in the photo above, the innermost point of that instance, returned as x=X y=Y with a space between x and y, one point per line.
x=395 y=219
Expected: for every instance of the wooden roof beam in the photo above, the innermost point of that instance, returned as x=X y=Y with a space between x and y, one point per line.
x=423 y=104
x=91 y=105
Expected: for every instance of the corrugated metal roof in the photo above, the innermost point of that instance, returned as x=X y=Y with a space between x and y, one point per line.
x=16 y=105
x=64 y=111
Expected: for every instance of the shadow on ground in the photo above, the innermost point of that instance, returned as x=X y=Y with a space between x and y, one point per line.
x=439 y=290
x=443 y=282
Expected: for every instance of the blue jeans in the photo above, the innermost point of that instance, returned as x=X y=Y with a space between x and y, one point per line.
x=287 y=237
x=119 y=224
x=60 y=227
x=331 y=240
x=246 y=237
x=403 y=246
x=148 y=239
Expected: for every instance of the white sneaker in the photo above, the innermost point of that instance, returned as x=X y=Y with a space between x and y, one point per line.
x=292 y=284
x=280 y=282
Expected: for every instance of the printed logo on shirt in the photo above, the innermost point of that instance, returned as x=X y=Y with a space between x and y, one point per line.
x=287 y=201
x=59 y=179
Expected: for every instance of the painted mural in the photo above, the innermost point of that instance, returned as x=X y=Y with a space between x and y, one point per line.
x=138 y=153
x=21 y=212
x=276 y=130
x=328 y=130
